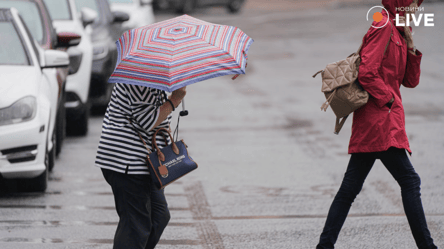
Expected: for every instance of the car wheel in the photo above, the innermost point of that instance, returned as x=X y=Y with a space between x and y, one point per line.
x=60 y=127
x=40 y=183
x=186 y=7
x=235 y=5
x=78 y=126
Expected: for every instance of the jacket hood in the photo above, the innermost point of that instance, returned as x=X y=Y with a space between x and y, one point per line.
x=391 y=6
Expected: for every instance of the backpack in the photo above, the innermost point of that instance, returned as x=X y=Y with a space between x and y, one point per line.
x=341 y=87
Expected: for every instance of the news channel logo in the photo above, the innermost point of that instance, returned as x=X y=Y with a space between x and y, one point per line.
x=376 y=14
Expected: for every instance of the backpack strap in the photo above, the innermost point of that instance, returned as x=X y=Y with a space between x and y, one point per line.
x=386 y=46
x=339 y=124
x=388 y=42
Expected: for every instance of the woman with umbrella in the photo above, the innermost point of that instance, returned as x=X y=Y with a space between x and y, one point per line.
x=166 y=56
x=142 y=208
x=378 y=130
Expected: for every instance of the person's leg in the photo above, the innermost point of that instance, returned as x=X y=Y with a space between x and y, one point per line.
x=398 y=164
x=132 y=196
x=160 y=216
x=357 y=170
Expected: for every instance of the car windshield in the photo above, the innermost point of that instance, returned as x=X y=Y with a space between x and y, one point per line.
x=59 y=9
x=12 y=51
x=30 y=13
x=121 y=1
x=92 y=4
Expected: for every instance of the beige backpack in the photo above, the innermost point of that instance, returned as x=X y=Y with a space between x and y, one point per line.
x=341 y=87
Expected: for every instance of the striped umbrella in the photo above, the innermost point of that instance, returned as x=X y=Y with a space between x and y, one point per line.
x=178 y=52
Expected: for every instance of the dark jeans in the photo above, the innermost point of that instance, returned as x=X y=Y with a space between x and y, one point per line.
x=142 y=209
x=398 y=164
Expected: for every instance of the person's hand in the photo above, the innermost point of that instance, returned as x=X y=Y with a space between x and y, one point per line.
x=178 y=95
x=390 y=103
x=407 y=32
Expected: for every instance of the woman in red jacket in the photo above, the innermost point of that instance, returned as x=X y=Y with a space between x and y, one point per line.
x=378 y=130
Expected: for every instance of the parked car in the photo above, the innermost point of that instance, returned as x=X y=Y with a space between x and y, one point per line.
x=105 y=32
x=66 y=19
x=140 y=12
x=29 y=93
x=187 y=6
x=38 y=20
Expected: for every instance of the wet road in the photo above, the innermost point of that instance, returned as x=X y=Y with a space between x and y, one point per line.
x=269 y=163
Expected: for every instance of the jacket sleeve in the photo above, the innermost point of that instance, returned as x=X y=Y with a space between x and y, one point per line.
x=413 y=70
x=372 y=54
x=144 y=107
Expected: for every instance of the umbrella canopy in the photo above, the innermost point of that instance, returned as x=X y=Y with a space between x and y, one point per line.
x=178 y=52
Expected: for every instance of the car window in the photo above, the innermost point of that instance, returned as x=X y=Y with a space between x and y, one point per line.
x=33 y=41
x=31 y=14
x=92 y=4
x=12 y=51
x=59 y=9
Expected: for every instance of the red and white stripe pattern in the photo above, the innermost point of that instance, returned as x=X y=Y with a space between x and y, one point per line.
x=180 y=51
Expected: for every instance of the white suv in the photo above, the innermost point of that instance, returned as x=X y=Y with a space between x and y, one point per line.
x=66 y=19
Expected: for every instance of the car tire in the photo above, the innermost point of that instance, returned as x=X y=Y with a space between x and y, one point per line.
x=78 y=126
x=40 y=183
x=186 y=7
x=60 y=126
x=235 y=5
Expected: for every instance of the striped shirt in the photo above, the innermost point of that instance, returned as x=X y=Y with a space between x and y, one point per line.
x=120 y=148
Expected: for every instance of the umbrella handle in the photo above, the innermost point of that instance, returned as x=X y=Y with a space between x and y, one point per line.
x=183 y=112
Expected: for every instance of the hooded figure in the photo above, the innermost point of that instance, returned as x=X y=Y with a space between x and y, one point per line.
x=376 y=126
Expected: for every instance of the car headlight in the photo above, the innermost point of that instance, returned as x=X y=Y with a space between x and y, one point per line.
x=100 y=51
x=21 y=111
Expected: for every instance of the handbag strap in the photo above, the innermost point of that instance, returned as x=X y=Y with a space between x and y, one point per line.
x=163 y=170
x=154 y=142
x=138 y=133
x=173 y=145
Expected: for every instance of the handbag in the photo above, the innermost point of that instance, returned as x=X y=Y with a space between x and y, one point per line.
x=170 y=163
x=341 y=87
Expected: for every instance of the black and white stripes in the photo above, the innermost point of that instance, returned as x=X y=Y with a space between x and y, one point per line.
x=120 y=148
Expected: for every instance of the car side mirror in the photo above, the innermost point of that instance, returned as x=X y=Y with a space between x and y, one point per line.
x=88 y=16
x=68 y=39
x=120 y=16
x=55 y=58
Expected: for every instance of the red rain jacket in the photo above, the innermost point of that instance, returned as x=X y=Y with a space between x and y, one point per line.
x=376 y=127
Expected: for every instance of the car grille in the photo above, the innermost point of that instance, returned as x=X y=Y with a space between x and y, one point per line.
x=20 y=154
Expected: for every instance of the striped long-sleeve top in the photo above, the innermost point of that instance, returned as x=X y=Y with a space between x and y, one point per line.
x=120 y=148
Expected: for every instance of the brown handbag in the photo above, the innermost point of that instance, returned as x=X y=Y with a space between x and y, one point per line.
x=341 y=87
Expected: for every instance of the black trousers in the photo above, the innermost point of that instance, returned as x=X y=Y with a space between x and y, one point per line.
x=398 y=164
x=142 y=209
